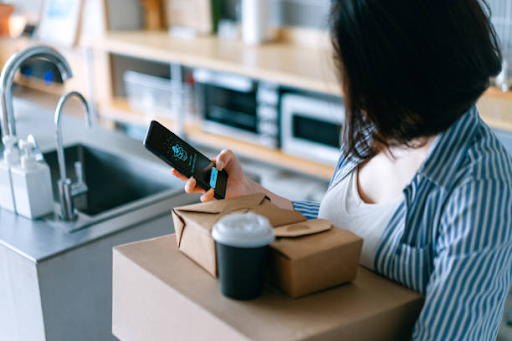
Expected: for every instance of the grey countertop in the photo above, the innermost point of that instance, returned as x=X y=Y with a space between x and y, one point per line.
x=35 y=239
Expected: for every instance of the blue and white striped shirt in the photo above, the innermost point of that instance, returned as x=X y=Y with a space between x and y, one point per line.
x=451 y=238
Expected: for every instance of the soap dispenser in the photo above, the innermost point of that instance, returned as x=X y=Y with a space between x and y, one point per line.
x=32 y=184
x=11 y=158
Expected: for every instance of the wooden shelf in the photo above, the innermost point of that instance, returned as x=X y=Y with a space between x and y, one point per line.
x=495 y=108
x=40 y=85
x=119 y=110
x=283 y=63
x=498 y=94
x=269 y=156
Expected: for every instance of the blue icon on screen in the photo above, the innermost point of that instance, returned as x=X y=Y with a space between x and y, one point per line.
x=213 y=177
x=179 y=152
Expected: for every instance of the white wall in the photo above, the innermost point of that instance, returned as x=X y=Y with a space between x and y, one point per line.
x=30 y=8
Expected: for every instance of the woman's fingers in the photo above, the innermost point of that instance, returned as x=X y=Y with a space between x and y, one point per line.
x=179 y=175
x=190 y=186
x=208 y=196
x=224 y=158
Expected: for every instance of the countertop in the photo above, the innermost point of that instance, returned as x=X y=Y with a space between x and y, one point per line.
x=35 y=239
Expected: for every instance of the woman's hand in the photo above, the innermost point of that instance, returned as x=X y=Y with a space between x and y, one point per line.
x=238 y=184
x=237 y=181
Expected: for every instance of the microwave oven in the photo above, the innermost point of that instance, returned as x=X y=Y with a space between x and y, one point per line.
x=311 y=127
x=237 y=106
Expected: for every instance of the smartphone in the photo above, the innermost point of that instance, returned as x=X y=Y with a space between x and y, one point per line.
x=186 y=159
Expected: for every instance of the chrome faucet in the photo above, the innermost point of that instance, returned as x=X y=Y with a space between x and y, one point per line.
x=68 y=190
x=8 y=72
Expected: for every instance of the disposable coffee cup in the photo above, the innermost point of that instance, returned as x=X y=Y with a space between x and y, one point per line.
x=243 y=250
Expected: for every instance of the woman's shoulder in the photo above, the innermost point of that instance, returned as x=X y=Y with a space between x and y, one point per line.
x=486 y=159
x=479 y=200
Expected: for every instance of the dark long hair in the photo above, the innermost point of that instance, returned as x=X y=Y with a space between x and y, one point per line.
x=409 y=68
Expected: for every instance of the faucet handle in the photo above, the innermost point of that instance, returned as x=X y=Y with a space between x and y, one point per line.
x=79 y=172
x=37 y=151
x=79 y=187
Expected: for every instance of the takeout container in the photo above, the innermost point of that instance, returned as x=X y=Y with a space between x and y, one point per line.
x=194 y=223
x=312 y=256
x=307 y=256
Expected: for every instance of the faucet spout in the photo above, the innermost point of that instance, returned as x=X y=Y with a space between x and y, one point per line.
x=8 y=125
x=68 y=190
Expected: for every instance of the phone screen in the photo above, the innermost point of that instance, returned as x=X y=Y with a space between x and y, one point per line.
x=185 y=158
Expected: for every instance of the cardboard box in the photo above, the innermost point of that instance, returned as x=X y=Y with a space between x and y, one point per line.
x=312 y=256
x=160 y=294
x=193 y=224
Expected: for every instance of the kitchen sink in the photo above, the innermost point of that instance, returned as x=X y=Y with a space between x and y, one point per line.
x=116 y=184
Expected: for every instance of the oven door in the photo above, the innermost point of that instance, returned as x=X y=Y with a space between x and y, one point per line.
x=311 y=128
x=229 y=103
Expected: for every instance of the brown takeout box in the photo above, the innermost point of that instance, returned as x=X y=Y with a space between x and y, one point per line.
x=307 y=256
x=311 y=256
x=193 y=224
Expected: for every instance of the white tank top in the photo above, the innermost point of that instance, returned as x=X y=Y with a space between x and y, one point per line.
x=344 y=207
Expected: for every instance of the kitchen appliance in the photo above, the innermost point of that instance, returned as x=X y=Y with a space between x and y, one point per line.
x=311 y=127
x=237 y=106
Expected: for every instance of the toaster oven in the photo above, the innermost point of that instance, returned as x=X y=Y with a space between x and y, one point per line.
x=239 y=107
x=311 y=127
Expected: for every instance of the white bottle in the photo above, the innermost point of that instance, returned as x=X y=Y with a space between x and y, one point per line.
x=32 y=184
x=11 y=158
x=255 y=21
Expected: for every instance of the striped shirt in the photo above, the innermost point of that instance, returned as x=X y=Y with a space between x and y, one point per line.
x=451 y=238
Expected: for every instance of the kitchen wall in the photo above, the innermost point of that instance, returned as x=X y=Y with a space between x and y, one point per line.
x=125 y=14
x=29 y=8
x=302 y=13
x=501 y=14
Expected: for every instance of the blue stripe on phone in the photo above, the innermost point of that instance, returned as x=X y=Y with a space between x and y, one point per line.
x=213 y=177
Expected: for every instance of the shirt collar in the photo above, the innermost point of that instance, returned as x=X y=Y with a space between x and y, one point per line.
x=444 y=156
x=449 y=149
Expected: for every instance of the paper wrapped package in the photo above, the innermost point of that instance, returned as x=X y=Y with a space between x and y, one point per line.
x=194 y=223
x=311 y=256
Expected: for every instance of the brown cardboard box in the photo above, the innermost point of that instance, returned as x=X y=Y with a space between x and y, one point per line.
x=193 y=224
x=311 y=256
x=160 y=294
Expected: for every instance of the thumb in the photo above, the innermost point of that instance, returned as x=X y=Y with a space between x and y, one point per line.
x=223 y=159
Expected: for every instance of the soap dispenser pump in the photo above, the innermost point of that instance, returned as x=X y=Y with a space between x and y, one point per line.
x=10 y=159
x=32 y=184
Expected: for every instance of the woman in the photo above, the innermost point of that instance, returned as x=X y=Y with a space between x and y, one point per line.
x=421 y=177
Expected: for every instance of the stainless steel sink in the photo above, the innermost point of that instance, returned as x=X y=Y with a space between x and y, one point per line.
x=117 y=184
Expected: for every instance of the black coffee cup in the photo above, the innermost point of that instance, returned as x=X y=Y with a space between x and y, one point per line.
x=243 y=250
